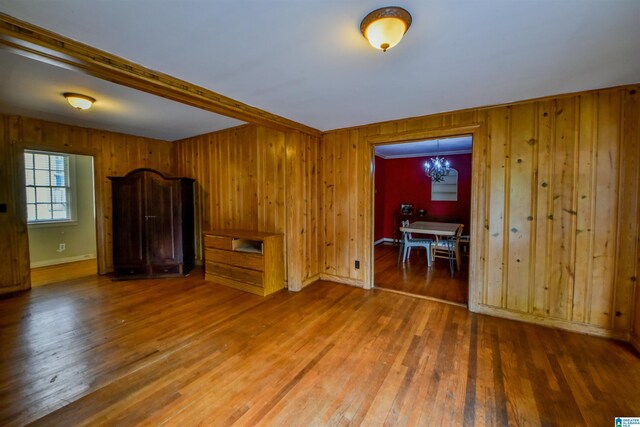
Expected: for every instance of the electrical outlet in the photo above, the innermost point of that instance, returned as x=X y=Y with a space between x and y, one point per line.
x=357 y=264
x=62 y=247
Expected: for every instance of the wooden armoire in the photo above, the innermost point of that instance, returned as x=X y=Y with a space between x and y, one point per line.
x=153 y=225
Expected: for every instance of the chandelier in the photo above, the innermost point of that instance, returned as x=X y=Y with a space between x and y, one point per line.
x=437 y=168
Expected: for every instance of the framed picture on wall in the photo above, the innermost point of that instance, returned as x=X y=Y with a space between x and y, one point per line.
x=406 y=209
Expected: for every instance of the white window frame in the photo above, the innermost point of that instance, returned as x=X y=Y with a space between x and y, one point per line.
x=70 y=190
x=447 y=189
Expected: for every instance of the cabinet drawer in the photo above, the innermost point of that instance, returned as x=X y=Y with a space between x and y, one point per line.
x=219 y=242
x=242 y=274
x=130 y=271
x=238 y=259
x=165 y=269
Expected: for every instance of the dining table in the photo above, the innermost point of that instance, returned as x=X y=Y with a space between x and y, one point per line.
x=438 y=229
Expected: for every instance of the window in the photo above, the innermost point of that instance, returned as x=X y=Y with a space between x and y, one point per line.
x=49 y=191
x=447 y=189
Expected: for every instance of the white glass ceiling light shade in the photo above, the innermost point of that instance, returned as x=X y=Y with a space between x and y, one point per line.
x=384 y=27
x=80 y=102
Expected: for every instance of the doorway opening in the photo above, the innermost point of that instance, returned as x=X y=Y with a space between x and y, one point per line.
x=61 y=216
x=437 y=211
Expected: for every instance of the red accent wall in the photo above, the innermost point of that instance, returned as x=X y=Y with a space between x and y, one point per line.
x=402 y=181
x=379 y=198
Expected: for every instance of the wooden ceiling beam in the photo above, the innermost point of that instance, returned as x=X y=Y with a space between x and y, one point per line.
x=35 y=42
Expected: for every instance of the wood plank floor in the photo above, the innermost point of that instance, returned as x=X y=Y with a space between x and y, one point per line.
x=414 y=277
x=185 y=351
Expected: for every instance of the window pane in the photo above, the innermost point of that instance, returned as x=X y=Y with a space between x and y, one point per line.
x=31 y=195
x=29 y=176
x=47 y=179
x=41 y=161
x=57 y=163
x=58 y=179
x=43 y=211
x=59 y=211
x=31 y=212
x=28 y=160
x=42 y=177
x=43 y=194
x=59 y=195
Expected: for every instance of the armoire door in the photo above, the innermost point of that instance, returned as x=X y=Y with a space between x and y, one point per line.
x=162 y=223
x=128 y=214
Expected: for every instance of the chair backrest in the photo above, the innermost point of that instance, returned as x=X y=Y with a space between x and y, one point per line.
x=405 y=235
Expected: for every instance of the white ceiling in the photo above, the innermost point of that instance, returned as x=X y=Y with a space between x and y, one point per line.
x=34 y=89
x=432 y=147
x=306 y=59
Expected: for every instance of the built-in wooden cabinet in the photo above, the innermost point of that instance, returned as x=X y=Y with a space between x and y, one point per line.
x=153 y=225
x=248 y=260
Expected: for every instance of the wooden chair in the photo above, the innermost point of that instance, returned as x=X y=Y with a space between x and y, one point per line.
x=409 y=242
x=448 y=248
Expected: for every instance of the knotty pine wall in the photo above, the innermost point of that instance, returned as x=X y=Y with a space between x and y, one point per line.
x=254 y=178
x=554 y=206
x=114 y=154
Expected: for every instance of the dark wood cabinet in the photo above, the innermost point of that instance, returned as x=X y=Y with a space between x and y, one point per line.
x=153 y=228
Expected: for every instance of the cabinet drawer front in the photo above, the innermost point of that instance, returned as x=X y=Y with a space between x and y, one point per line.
x=159 y=270
x=219 y=242
x=242 y=274
x=123 y=271
x=238 y=259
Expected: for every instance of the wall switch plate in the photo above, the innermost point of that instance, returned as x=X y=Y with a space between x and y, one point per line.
x=62 y=247
x=357 y=264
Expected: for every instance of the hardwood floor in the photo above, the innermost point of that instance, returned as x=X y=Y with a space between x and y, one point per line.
x=186 y=351
x=413 y=277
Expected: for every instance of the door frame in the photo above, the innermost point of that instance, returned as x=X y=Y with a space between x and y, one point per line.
x=414 y=136
x=97 y=194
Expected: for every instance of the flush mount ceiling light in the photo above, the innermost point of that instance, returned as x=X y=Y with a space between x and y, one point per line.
x=385 y=27
x=80 y=102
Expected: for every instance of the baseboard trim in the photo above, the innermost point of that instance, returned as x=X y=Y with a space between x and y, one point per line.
x=553 y=323
x=635 y=341
x=63 y=260
x=385 y=240
x=61 y=272
x=343 y=280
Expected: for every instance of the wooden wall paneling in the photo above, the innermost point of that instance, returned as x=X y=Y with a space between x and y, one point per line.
x=355 y=205
x=261 y=179
x=295 y=200
x=560 y=275
x=341 y=206
x=365 y=210
x=329 y=198
x=14 y=271
x=585 y=219
x=478 y=219
x=543 y=222
x=113 y=153
x=626 y=271
x=521 y=187
x=498 y=131
x=569 y=198
x=606 y=208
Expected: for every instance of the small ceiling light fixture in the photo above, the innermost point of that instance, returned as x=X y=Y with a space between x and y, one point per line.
x=80 y=102
x=437 y=168
x=385 y=27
